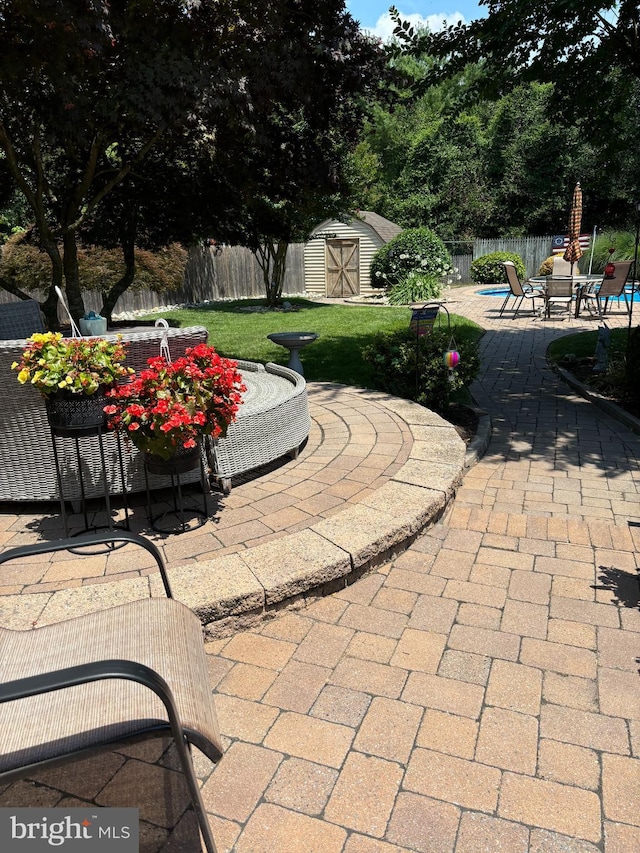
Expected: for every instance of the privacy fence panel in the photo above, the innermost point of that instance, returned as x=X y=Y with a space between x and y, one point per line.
x=532 y=250
x=232 y=272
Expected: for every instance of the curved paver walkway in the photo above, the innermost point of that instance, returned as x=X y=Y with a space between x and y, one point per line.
x=479 y=692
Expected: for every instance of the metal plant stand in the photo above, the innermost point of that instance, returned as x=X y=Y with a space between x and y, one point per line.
x=77 y=433
x=161 y=522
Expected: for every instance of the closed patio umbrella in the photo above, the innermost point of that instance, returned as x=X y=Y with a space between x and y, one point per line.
x=574 y=252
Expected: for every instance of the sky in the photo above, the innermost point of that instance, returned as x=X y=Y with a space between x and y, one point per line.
x=374 y=14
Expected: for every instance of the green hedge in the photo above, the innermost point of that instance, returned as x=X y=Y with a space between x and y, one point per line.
x=413 y=367
x=488 y=269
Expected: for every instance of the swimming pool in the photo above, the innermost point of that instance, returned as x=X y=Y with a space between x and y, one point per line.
x=504 y=292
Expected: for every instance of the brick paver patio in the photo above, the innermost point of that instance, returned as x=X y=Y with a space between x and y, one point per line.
x=478 y=693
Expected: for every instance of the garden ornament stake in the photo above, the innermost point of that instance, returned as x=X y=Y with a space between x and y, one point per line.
x=602 y=347
x=164 y=342
x=451 y=358
x=75 y=331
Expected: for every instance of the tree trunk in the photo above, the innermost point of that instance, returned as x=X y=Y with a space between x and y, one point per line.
x=50 y=305
x=110 y=297
x=272 y=259
x=71 y=275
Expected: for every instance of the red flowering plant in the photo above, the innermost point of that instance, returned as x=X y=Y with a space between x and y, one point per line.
x=171 y=405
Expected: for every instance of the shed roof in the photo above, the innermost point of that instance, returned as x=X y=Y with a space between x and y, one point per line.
x=384 y=228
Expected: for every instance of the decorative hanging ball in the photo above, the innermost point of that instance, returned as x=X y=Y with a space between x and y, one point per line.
x=451 y=358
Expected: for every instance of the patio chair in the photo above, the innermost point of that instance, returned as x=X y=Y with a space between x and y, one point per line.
x=521 y=291
x=607 y=289
x=120 y=674
x=561 y=267
x=20 y=320
x=558 y=291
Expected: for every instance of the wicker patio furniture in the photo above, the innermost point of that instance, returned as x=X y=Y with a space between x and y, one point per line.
x=272 y=421
x=27 y=466
x=92 y=682
x=20 y=319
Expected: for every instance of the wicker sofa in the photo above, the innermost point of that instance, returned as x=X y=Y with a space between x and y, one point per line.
x=273 y=420
x=27 y=467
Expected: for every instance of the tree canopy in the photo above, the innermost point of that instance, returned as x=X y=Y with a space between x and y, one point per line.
x=545 y=40
x=166 y=118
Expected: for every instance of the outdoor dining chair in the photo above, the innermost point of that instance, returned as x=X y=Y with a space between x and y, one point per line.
x=558 y=291
x=521 y=291
x=91 y=682
x=609 y=288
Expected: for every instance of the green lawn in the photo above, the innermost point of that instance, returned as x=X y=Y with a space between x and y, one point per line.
x=343 y=330
x=583 y=344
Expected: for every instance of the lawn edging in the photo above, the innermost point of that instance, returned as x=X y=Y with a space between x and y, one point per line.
x=597 y=399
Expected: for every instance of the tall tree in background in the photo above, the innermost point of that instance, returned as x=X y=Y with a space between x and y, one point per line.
x=88 y=88
x=319 y=76
x=576 y=41
x=110 y=110
x=589 y=50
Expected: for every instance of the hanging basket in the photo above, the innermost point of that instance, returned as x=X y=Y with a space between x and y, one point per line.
x=76 y=411
x=183 y=460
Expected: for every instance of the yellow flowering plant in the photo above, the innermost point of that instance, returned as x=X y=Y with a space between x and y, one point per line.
x=54 y=364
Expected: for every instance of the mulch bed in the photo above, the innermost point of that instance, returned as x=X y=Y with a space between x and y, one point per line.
x=463 y=419
x=582 y=370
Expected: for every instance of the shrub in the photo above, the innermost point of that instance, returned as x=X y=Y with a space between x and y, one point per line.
x=415 y=287
x=546 y=267
x=24 y=263
x=632 y=367
x=488 y=269
x=416 y=249
x=623 y=244
x=397 y=356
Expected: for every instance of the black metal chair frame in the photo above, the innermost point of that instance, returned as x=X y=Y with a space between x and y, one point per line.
x=518 y=289
x=107 y=669
x=619 y=290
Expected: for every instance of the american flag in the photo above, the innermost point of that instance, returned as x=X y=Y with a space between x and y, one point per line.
x=560 y=242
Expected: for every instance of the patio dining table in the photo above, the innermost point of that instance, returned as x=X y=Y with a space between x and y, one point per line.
x=579 y=282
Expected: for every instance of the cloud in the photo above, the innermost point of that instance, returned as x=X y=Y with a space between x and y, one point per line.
x=385 y=26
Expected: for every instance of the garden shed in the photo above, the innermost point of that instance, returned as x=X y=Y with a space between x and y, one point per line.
x=338 y=254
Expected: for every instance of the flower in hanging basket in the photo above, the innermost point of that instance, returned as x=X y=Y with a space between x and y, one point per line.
x=171 y=405
x=54 y=364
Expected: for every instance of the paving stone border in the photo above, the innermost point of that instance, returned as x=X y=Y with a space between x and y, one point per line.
x=238 y=590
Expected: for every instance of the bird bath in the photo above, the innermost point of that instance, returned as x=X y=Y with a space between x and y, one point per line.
x=293 y=341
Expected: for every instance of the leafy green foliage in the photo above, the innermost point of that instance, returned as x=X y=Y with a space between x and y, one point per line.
x=211 y=119
x=415 y=286
x=632 y=367
x=413 y=367
x=549 y=40
x=623 y=244
x=488 y=269
x=416 y=249
x=99 y=268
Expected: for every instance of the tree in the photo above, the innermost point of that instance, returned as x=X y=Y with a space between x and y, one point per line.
x=573 y=41
x=294 y=155
x=88 y=88
x=108 y=110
